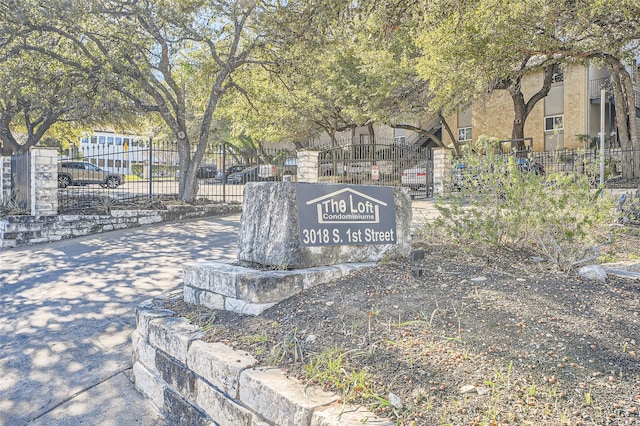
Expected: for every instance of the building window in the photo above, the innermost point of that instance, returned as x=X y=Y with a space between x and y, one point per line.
x=554 y=123
x=557 y=77
x=399 y=140
x=399 y=136
x=464 y=134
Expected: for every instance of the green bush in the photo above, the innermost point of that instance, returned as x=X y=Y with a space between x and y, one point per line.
x=501 y=201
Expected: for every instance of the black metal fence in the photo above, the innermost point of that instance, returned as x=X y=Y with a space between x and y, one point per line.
x=101 y=176
x=587 y=162
x=379 y=162
x=20 y=181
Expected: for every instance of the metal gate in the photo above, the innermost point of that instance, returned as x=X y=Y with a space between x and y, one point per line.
x=382 y=162
x=21 y=180
x=149 y=171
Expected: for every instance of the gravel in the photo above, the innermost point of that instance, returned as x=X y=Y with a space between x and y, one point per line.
x=460 y=337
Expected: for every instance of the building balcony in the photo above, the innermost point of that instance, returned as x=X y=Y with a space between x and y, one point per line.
x=596 y=85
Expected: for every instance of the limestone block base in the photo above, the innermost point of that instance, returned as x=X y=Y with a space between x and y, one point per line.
x=251 y=291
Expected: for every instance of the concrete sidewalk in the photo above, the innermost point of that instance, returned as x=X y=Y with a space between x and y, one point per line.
x=67 y=310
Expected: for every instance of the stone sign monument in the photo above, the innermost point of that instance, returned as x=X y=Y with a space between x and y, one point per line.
x=294 y=236
x=287 y=225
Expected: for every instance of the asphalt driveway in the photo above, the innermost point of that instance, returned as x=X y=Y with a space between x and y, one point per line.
x=67 y=310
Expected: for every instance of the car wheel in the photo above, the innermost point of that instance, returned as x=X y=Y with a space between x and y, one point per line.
x=64 y=181
x=112 y=182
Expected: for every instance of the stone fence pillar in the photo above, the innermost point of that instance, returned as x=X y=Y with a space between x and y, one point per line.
x=442 y=171
x=44 y=181
x=308 y=165
x=5 y=179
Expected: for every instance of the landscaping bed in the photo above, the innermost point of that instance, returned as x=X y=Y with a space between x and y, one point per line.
x=459 y=337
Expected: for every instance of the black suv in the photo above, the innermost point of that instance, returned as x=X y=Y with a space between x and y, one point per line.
x=207 y=172
x=222 y=176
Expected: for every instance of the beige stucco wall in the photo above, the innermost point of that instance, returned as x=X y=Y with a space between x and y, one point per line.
x=490 y=117
x=576 y=94
x=494 y=116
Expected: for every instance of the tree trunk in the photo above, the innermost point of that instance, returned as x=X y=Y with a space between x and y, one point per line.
x=36 y=129
x=372 y=142
x=371 y=130
x=445 y=125
x=620 y=104
x=190 y=189
x=331 y=131
x=428 y=134
x=519 y=113
x=634 y=143
x=625 y=113
x=522 y=109
x=184 y=159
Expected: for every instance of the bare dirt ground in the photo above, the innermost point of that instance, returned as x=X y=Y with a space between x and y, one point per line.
x=460 y=338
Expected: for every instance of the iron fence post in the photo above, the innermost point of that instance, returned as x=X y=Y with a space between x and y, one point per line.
x=603 y=93
x=223 y=178
x=150 y=168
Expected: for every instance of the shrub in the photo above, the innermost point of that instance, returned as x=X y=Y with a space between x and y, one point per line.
x=505 y=201
x=11 y=208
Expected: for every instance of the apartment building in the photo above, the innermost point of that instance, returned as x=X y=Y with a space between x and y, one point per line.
x=567 y=118
x=113 y=152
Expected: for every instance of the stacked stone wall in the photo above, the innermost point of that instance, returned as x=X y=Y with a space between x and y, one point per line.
x=307 y=166
x=197 y=383
x=44 y=181
x=442 y=171
x=5 y=179
x=23 y=229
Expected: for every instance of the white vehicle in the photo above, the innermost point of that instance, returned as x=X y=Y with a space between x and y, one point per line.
x=416 y=176
x=355 y=167
x=358 y=168
x=328 y=168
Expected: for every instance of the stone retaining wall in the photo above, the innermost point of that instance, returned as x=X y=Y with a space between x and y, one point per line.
x=22 y=229
x=442 y=171
x=197 y=383
x=5 y=179
x=44 y=181
x=248 y=291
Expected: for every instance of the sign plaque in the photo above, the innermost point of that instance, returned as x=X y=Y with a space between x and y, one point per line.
x=375 y=172
x=330 y=215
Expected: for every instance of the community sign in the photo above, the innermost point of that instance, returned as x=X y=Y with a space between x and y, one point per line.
x=331 y=215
